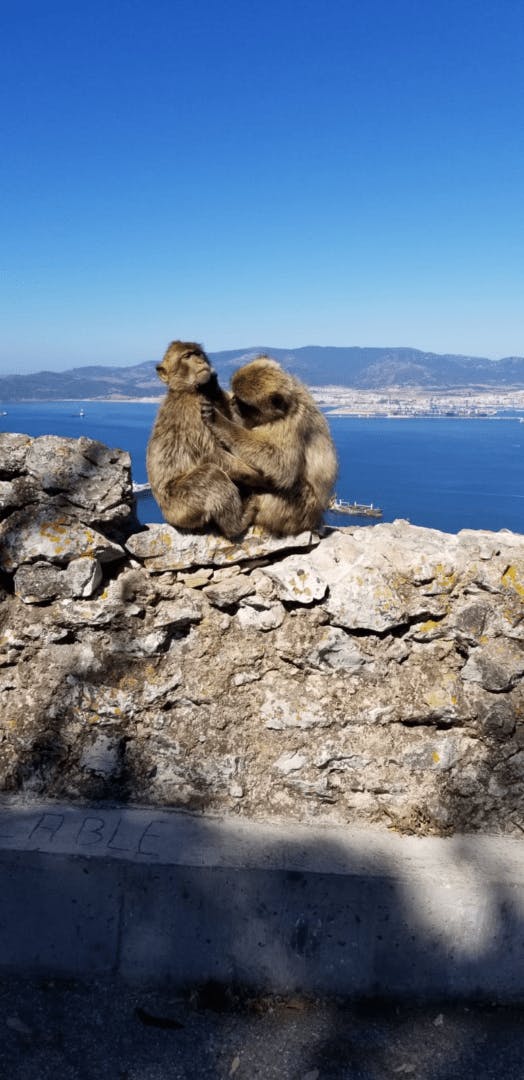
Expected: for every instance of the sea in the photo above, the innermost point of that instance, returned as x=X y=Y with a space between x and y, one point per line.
x=446 y=473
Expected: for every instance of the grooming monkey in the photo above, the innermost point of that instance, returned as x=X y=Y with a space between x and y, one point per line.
x=193 y=478
x=280 y=432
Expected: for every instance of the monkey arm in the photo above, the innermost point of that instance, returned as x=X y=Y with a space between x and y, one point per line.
x=239 y=471
x=242 y=473
x=279 y=465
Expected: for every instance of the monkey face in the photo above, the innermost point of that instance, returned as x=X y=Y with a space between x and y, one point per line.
x=185 y=366
x=262 y=392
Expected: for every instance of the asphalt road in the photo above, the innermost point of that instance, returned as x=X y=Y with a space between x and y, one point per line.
x=54 y=1030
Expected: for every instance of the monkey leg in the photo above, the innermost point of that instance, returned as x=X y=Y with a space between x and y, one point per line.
x=204 y=495
x=287 y=515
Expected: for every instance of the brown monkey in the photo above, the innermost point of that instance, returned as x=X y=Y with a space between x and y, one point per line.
x=281 y=432
x=193 y=478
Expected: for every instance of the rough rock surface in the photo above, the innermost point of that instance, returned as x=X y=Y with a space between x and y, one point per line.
x=373 y=675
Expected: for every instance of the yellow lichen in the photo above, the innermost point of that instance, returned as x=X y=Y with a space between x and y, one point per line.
x=442 y=697
x=436 y=699
x=436 y=757
x=511 y=581
x=383 y=595
x=444 y=579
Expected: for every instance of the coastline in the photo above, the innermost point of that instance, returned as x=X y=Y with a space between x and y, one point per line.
x=328 y=410
x=341 y=401
x=420 y=416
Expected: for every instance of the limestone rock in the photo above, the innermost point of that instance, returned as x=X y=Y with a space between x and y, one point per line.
x=13 y=450
x=38 y=582
x=182 y=612
x=162 y=547
x=295 y=582
x=46 y=534
x=263 y=594
x=287 y=763
x=13 y=494
x=192 y=671
x=337 y=651
x=287 y=705
x=226 y=593
x=91 y=475
x=255 y=618
x=196 y=579
x=496 y=665
x=83 y=478
x=363 y=593
x=62 y=499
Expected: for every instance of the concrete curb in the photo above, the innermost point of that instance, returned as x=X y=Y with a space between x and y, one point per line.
x=164 y=896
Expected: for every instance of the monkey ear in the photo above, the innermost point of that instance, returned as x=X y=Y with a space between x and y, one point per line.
x=278 y=401
x=162 y=373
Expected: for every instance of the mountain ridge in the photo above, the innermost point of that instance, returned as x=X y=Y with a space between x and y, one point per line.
x=359 y=367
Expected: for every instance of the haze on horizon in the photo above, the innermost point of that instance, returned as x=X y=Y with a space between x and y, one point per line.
x=280 y=174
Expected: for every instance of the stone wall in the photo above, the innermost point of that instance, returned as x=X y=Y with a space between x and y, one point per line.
x=371 y=676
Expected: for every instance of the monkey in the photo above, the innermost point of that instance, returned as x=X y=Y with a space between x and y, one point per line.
x=193 y=478
x=279 y=430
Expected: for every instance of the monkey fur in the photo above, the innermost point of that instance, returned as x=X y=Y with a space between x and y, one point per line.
x=193 y=478
x=279 y=431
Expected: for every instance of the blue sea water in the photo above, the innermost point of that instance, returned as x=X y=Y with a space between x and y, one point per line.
x=448 y=474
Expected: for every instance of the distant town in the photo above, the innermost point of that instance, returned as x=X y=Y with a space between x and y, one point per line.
x=412 y=402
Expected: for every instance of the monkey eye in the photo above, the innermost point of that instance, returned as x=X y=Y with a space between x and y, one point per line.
x=198 y=358
x=278 y=402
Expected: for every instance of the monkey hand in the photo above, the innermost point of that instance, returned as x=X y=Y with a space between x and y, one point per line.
x=207 y=411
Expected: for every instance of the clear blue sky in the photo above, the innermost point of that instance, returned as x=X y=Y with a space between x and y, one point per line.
x=283 y=173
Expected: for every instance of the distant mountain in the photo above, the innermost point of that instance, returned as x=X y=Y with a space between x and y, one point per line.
x=362 y=368
x=374 y=368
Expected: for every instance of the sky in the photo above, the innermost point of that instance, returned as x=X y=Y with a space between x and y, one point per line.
x=242 y=173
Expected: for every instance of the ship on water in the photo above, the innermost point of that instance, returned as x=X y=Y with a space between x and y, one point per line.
x=341 y=506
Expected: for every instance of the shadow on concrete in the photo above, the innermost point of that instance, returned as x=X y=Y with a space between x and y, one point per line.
x=360 y=935
x=319 y=945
